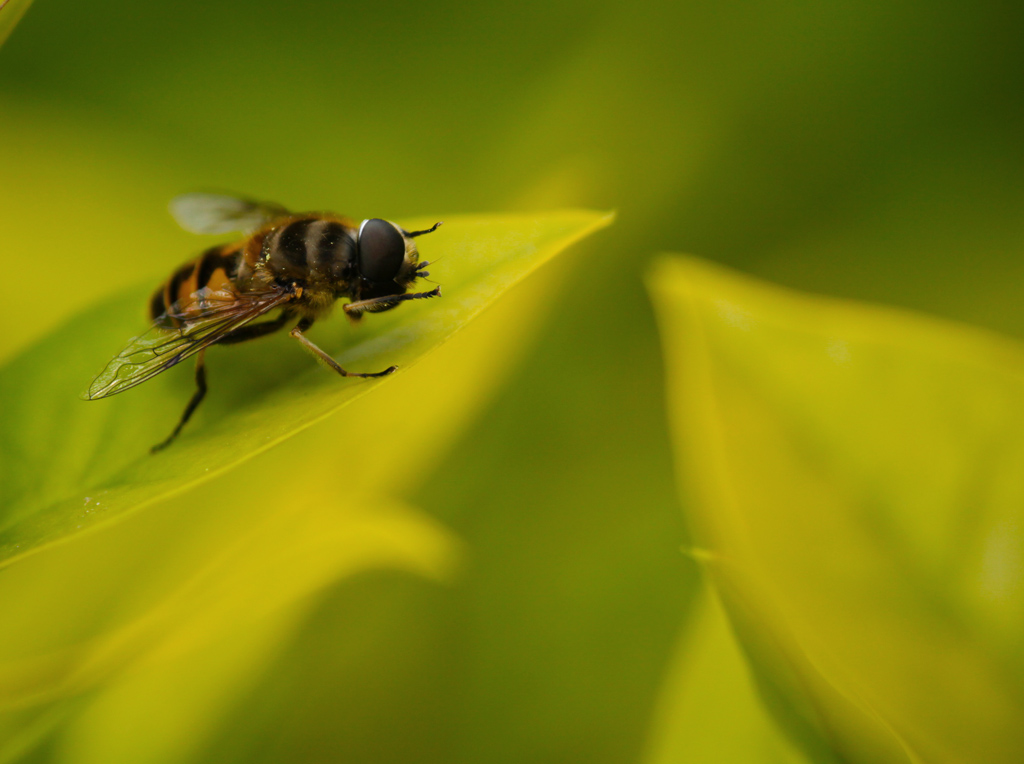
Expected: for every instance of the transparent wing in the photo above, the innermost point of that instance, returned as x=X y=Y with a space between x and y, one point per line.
x=210 y=317
x=220 y=213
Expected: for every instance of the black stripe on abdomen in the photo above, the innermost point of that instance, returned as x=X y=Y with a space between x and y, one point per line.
x=291 y=243
x=330 y=243
x=212 y=260
x=157 y=307
x=174 y=285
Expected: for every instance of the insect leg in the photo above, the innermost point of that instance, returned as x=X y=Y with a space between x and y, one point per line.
x=323 y=357
x=414 y=234
x=377 y=304
x=196 y=399
x=252 y=331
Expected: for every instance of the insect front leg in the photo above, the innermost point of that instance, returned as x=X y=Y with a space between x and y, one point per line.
x=323 y=357
x=378 y=304
x=196 y=399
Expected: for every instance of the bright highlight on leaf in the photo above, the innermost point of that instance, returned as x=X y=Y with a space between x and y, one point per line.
x=856 y=473
x=11 y=12
x=68 y=465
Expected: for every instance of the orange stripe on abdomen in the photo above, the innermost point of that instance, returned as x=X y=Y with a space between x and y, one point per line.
x=219 y=281
x=187 y=287
x=215 y=269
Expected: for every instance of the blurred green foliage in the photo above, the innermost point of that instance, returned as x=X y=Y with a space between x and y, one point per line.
x=853 y=478
x=866 y=149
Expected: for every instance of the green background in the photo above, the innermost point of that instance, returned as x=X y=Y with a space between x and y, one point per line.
x=862 y=149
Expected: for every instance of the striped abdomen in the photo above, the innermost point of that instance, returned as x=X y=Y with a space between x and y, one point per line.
x=216 y=269
x=314 y=251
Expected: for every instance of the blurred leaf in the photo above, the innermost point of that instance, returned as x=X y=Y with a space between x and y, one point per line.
x=68 y=465
x=11 y=12
x=855 y=473
x=220 y=639
x=709 y=711
x=178 y=641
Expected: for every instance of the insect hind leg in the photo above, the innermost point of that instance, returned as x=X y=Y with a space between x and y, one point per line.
x=194 y=401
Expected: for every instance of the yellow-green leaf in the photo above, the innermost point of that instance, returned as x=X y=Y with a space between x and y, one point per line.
x=708 y=712
x=168 y=627
x=854 y=472
x=67 y=465
x=11 y=12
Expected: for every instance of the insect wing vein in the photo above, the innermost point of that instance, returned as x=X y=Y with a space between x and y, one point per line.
x=164 y=346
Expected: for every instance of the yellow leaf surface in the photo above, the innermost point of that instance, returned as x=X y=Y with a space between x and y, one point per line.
x=854 y=473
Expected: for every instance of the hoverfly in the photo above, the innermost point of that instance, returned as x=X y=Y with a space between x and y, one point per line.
x=298 y=263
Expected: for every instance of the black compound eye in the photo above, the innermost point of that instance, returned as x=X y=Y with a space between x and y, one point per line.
x=381 y=250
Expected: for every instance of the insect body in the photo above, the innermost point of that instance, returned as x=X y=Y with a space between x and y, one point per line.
x=298 y=263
